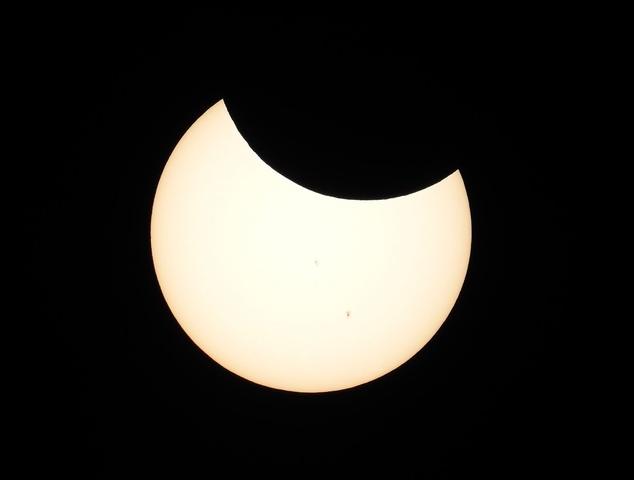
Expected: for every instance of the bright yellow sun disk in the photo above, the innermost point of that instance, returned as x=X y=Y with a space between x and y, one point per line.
x=293 y=289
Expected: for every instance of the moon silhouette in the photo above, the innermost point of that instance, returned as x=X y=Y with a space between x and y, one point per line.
x=293 y=289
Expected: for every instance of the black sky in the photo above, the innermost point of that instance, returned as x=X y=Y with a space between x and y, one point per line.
x=356 y=108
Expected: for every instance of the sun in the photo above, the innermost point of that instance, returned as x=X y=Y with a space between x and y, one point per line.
x=293 y=289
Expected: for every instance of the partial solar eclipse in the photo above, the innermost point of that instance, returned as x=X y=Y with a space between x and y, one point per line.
x=293 y=289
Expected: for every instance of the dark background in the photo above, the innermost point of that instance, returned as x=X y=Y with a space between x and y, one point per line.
x=355 y=108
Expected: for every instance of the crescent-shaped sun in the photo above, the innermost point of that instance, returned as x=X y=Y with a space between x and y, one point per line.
x=293 y=289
